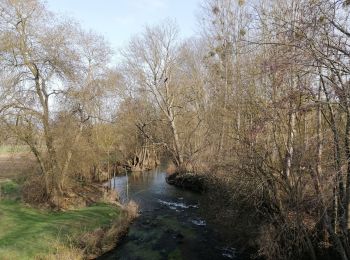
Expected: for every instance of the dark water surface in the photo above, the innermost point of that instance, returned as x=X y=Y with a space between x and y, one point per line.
x=171 y=224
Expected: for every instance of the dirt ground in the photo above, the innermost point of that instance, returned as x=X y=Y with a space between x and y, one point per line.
x=13 y=165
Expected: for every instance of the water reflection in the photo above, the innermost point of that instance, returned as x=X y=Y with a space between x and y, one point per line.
x=146 y=188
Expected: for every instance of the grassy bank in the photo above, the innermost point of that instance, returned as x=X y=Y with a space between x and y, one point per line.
x=28 y=233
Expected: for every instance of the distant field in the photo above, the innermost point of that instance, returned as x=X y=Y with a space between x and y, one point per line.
x=6 y=149
x=15 y=161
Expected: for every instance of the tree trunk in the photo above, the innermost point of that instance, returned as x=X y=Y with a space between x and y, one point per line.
x=290 y=142
x=177 y=146
x=338 y=190
x=347 y=152
x=68 y=159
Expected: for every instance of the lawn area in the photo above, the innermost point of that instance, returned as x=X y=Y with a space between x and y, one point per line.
x=28 y=233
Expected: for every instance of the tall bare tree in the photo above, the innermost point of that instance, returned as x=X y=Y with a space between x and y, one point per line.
x=151 y=58
x=48 y=66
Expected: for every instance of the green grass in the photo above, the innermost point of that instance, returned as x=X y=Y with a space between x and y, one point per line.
x=9 y=189
x=26 y=233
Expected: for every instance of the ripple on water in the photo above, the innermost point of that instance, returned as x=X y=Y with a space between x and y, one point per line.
x=199 y=222
x=176 y=205
x=228 y=252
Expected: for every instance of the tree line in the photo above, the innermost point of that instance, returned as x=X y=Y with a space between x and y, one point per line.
x=258 y=101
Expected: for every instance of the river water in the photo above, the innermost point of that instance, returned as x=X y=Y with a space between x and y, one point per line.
x=171 y=224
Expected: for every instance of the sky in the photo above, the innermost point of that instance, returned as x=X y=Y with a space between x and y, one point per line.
x=119 y=20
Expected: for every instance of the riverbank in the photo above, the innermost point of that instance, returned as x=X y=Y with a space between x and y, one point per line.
x=30 y=233
x=238 y=228
x=91 y=224
x=240 y=221
x=27 y=232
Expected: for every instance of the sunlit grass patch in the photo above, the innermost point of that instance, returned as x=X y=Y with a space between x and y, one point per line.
x=28 y=233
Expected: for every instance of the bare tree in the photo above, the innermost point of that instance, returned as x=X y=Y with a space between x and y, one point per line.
x=151 y=58
x=43 y=82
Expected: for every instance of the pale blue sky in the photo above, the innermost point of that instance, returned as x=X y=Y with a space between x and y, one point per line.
x=118 y=20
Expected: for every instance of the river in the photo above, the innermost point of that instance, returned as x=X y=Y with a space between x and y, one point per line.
x=171 y=224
